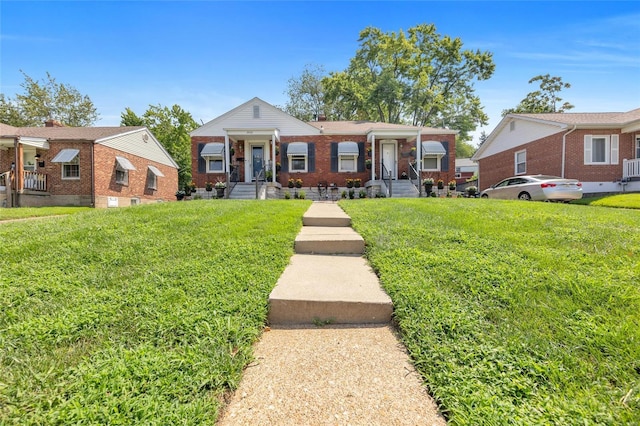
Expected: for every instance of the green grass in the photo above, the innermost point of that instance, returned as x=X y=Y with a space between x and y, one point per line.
x=143 y=315
x=28 y=212
x=515 y=313
x=626 y=201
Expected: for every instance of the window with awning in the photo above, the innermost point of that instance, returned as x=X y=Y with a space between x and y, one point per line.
x=152 y=176
x=432 y=154
x=348 y=156
x=156 y=171
x=123 y=165
x=213 y=149
x=298 y=155
x=433 y=148
x=70 y=161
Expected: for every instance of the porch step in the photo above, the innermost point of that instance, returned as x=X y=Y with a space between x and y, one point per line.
x=325 y=214
x=328 y=240
x=243 y=191
x=404 y=189
x=325 y=289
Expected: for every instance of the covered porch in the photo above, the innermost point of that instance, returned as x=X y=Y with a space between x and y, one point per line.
x=20 y=172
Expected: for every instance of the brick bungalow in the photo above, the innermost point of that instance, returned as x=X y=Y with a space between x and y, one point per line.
x=256 y=138
x=602 y=150
x=83 y=166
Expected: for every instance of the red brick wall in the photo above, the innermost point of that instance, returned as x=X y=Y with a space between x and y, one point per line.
x=544 y=156
x=58 y=186
x=105 y=177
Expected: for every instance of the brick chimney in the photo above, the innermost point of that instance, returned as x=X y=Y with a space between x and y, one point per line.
x=53 y=123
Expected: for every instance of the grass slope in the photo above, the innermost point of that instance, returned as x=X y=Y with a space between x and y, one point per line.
x=143 y=315
x=515 y=313
x=27 y=212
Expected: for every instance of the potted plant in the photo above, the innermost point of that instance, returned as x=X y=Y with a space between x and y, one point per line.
x=208 y=186
x=220 y=187
x=349 y=183
x=471 y=191
x=180 y=194
x=292 y=183
x=298 y=183
x=452 y=185
x=367 y=164
x=357 y=183
x=193 y=187
x=413 y=151
x=428 y=185
x=440 y=184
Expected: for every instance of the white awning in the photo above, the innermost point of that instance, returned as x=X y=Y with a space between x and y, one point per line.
x=155 y=171
x=213 y=149
x=37 y=142
x=65 y=156
x=348 y=148
x=298 y=148
x=124 y=163
x=433 y=148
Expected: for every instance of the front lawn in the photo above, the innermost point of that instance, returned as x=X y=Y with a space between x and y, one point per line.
x=143 y=315
x=514 y=312
x=626 y=201
x=28 y=212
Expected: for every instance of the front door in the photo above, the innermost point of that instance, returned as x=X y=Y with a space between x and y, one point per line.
x=257 y=159
x=389 y=160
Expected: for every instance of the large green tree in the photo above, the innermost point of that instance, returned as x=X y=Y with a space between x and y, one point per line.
x=306 y=94
x=544 y=100
x=419 y=78
x=171 y=126
x=46 y=100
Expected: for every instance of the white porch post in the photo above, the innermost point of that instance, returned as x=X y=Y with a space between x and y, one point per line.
x=419 y=156
x=227 y=156
x=273 y=157
x=373 y=156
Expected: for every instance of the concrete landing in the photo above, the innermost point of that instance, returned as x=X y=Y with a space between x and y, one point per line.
x=329 y=240
x=332 y=289
x=325 y=214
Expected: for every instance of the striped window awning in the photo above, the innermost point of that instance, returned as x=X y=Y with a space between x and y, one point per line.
x=298 y=148
x=348 y=148
x=65 y=156
x=156 y=171
x=213 y=149
x=124 y=164
x=433 y=148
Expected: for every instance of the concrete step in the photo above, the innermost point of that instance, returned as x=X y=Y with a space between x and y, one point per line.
x=328 y=240
x=323 y=289
x=326 y=214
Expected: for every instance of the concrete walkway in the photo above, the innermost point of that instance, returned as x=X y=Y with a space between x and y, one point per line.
x=351 y=371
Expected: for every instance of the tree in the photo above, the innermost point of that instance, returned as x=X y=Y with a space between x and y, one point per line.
x=42 y=101
x=171 y=126
x=418 y=78
x=464 y=149
x=544 y=100
x=306 y=94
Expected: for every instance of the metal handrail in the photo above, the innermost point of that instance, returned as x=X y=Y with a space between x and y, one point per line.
x=417 y=183
x=386 y=173
x=259 y=176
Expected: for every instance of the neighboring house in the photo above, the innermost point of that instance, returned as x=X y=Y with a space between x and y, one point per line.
x=83 y=166
x=602 y=150
x=466 y=168
x=261 y=138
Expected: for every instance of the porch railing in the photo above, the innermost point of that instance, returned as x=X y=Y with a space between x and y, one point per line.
x=387 y=178
x=4 y=179
x=630 y=169
x=34 y=181
x=413 y=172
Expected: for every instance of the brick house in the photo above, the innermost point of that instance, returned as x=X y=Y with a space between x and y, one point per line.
x=602 y=150
x=256 y=138
x=83 y=166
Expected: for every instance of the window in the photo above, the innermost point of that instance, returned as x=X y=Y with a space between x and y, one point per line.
x=521 y=162
x=152 y=177
x=71 y=169
x=122 y=170
x=348 y=157
x=298 y=154
x=431 y=163
x=256 y=111
x=213 y=153
x=638 y=147
x=601 y=149
x=512 y=126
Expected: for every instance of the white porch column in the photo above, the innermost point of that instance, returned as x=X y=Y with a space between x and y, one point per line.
x=227 y=156
x=419 y=156
x=273 y=157
x=373 y=156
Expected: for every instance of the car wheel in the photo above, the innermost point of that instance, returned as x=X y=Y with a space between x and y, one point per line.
x=524 y=196
x=485 y=196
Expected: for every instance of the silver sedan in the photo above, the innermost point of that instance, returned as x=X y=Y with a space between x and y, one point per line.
x=536 y=187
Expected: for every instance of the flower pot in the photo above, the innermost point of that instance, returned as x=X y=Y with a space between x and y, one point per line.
x=220 y=192
x=208 y=189
x=428 y=188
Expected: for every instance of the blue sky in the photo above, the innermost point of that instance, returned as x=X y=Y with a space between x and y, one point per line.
x=211 y=56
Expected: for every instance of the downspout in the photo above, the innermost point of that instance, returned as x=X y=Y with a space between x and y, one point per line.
x=93 y=177
x=564 y=148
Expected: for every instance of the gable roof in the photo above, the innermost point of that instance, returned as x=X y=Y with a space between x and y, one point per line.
x=625 y=121
x=241 y=117
x=67 y=133
x=361 y=127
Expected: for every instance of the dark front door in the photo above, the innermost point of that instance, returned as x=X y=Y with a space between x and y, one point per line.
x=257 y=154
